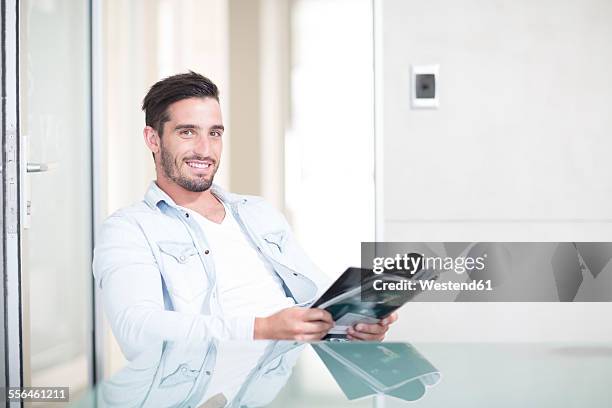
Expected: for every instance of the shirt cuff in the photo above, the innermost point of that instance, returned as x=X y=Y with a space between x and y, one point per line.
x=242 y=328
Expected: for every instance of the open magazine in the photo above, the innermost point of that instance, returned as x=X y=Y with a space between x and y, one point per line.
x=344 y=299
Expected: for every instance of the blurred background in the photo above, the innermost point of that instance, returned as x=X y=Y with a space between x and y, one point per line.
x=316 y=98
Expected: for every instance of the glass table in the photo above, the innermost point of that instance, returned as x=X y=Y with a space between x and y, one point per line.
x=360 y=374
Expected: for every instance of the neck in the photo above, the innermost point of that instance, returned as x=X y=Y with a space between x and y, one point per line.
x=201 y=201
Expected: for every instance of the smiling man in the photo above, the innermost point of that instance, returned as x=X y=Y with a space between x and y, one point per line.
x=192 y=261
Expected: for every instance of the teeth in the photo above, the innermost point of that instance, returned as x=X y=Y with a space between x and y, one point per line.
x=198 y=165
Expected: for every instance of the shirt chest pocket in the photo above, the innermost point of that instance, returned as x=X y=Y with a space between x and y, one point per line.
x=275 y=242
x=277 y=249
x=185 y=274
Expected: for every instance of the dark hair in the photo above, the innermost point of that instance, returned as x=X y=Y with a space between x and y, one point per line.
x=172 y=89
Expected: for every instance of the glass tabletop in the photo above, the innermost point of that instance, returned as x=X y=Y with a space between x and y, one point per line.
x=361 y=374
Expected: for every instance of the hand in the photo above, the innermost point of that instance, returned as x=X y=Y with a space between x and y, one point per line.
x=294 y=323
x=371 y=332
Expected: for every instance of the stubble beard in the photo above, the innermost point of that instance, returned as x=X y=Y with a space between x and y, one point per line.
x=172 y=171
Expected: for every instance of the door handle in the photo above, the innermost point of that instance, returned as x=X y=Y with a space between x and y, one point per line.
x=40 y=167
x=36 y=167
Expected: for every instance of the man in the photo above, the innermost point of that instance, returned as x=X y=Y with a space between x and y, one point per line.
x=192 y=261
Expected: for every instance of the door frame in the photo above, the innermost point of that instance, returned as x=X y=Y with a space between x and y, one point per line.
x=98 y=350
x=14 y=358
x=11 y=192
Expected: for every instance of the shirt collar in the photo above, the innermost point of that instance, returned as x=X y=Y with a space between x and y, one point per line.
x=155 y=195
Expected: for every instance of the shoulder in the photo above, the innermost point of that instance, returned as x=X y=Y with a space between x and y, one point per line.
x=126 y=219
x=134 y=210
x=258 y=206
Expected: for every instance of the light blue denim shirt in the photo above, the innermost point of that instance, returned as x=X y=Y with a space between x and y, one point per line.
x=157 y=272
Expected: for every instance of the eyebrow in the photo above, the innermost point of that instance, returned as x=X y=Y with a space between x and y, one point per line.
x=190 y=126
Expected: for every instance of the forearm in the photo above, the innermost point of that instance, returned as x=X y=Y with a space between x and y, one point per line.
x=137 y=328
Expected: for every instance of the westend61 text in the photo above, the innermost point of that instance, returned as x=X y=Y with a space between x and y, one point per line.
x=406 y=284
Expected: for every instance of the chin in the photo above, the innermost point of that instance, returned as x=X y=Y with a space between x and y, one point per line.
x=196 y=184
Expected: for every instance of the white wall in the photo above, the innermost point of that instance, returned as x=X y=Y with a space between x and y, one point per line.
x=517 y=151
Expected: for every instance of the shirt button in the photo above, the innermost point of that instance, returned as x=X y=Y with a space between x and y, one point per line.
x=295 y=274
x=182 y=258
x=187 y=215
x=207 y=252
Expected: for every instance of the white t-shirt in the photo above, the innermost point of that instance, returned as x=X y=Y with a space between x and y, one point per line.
x=246 y=282
x=247 y=287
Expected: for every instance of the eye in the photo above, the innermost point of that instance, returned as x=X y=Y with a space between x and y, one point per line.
x=187 y=133
x=215 y=133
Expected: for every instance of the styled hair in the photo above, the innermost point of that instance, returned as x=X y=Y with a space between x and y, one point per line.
x=173 y=89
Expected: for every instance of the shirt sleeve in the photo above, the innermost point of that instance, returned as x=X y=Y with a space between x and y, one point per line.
x=132 y=293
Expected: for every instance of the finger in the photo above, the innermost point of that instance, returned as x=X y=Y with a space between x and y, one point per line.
x=370 y=328
x=318 y=314
x=392 y=318
x=364 y=336
x=315 y=327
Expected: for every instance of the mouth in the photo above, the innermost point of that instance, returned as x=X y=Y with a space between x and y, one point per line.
x=199 y=164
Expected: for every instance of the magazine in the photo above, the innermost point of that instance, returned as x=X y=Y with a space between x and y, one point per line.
x=345 y=301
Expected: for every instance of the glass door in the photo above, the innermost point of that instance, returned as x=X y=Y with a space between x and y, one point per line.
x=56 y=192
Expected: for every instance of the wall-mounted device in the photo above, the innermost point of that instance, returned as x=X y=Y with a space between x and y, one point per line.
x=425 y=90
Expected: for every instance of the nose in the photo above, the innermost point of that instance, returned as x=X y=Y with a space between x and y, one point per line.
x=202 y=145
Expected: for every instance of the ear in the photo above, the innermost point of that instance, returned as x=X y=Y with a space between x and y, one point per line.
x=151 y=139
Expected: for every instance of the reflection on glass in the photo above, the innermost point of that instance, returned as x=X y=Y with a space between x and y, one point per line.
x=252 y=374
x=366 y=369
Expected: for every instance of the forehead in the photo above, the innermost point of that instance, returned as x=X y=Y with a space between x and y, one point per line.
x=200 y=111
